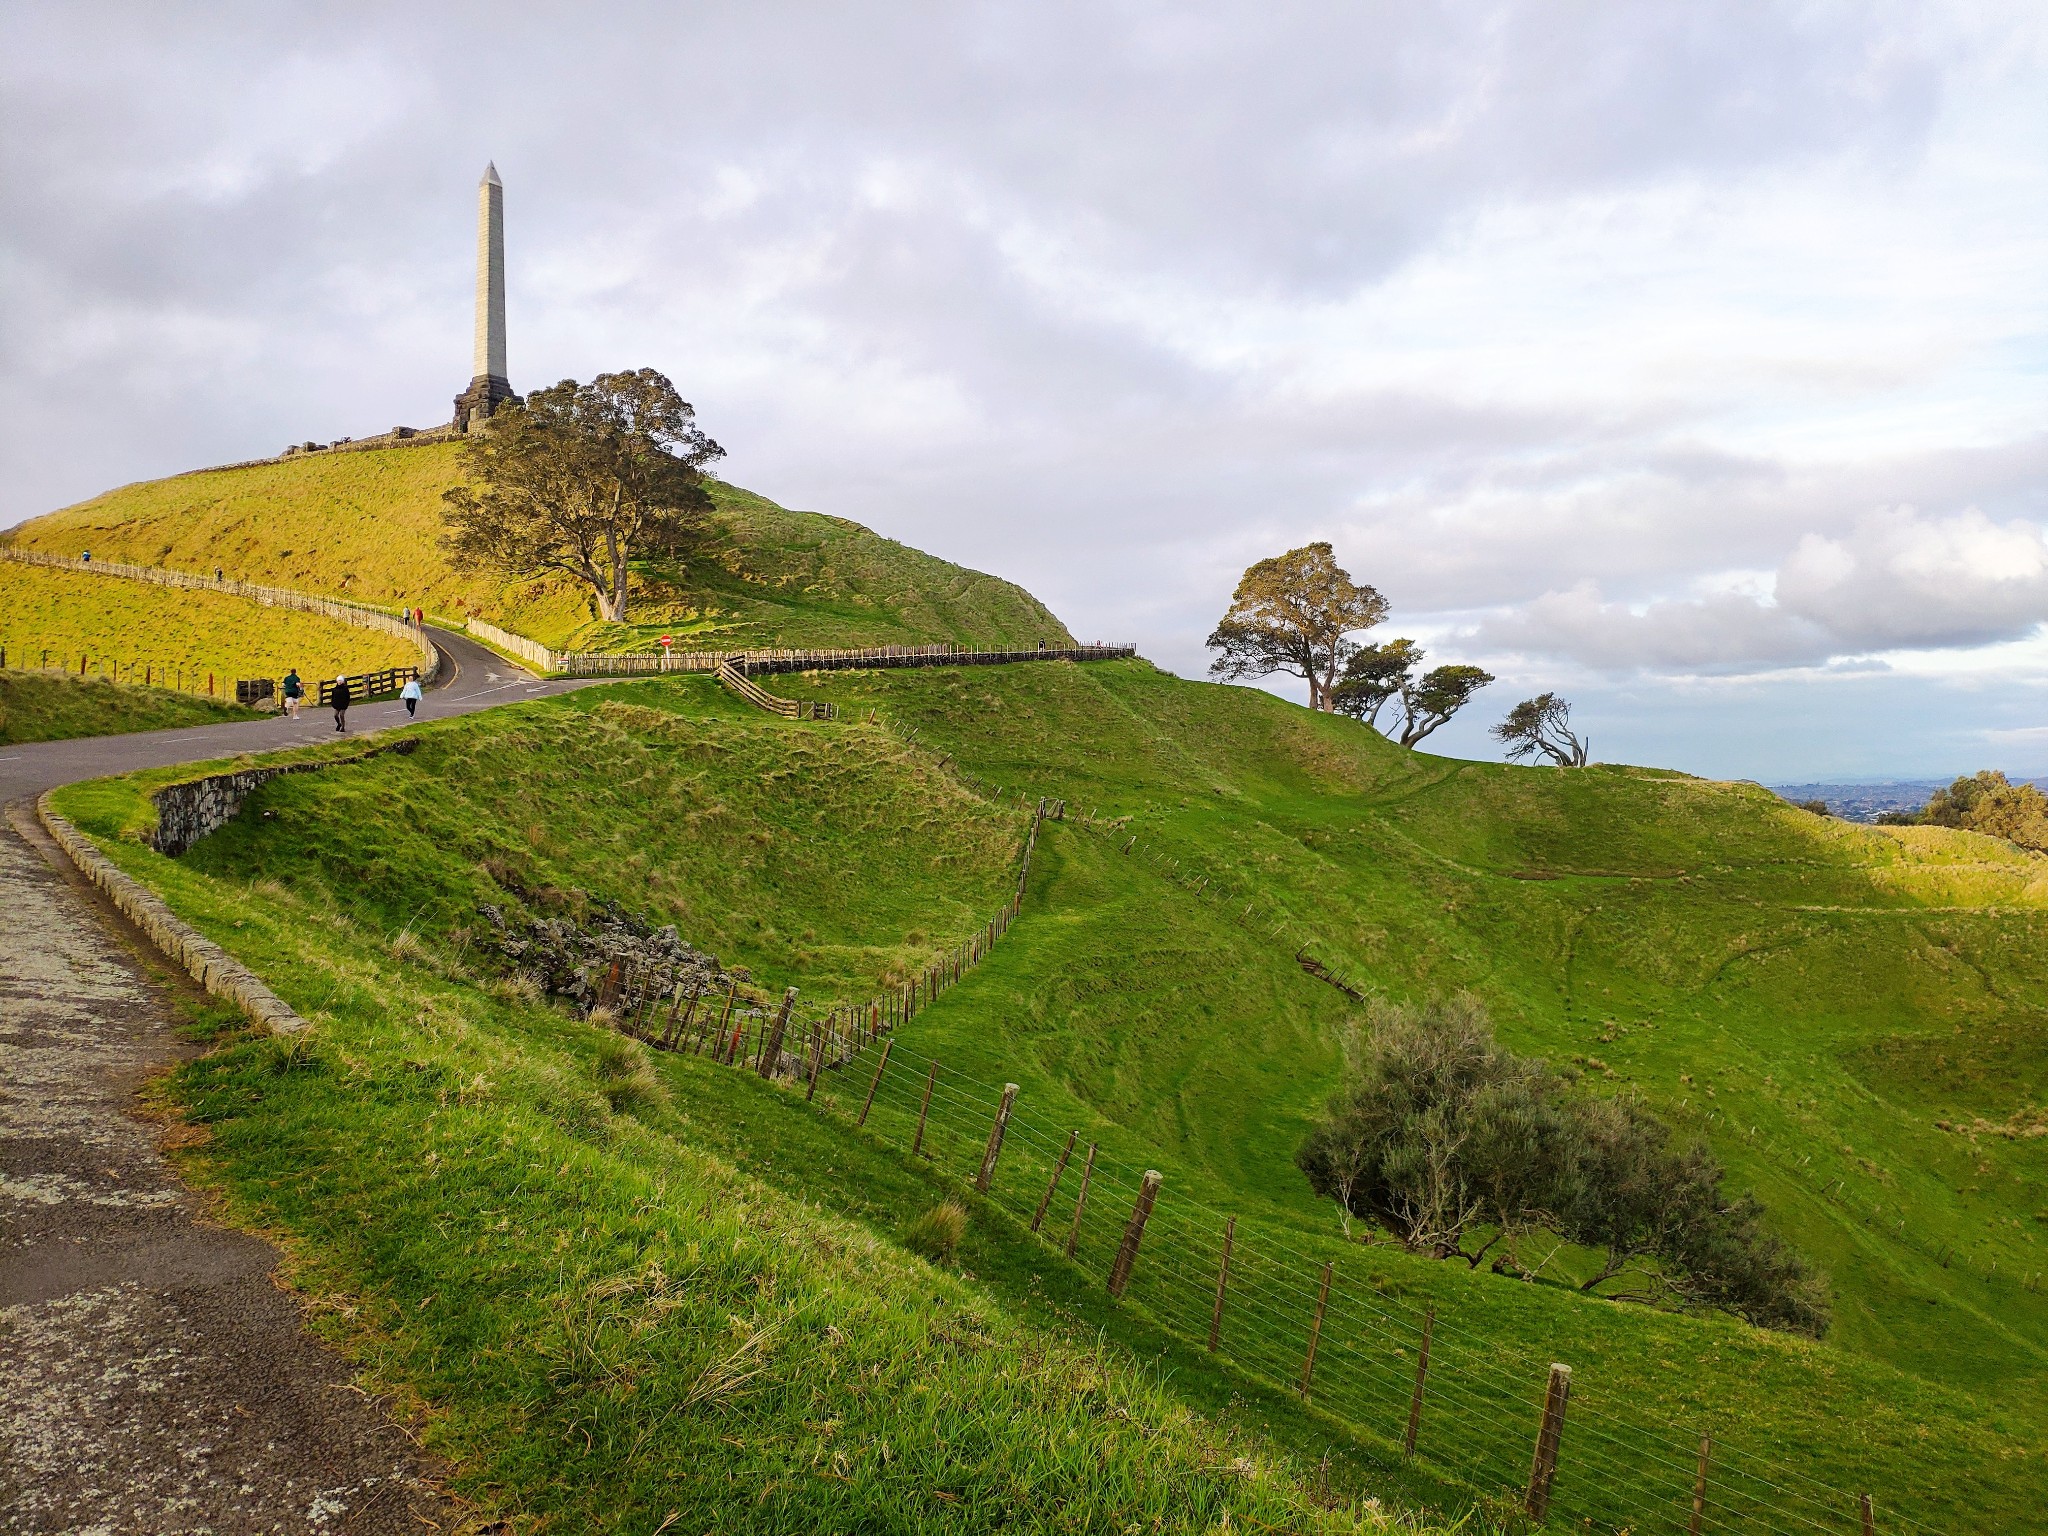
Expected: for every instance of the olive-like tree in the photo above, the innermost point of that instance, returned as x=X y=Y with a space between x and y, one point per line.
x=580 y=479
x=1292 y=613
x=1542 y=726
x=1375 y=675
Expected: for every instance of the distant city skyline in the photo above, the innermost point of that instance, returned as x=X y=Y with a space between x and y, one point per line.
x=1690 y=362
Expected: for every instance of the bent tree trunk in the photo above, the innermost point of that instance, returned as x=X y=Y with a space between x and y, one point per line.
x=615 y=599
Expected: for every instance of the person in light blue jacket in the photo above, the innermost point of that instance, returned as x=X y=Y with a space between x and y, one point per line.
x=411 y=694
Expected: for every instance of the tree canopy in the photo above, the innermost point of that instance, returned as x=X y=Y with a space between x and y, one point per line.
x=580 y=479
x=1376 y=674
x=1461 y=1147
x=1292 y=613
x=1988 y=802
x=1542 y=727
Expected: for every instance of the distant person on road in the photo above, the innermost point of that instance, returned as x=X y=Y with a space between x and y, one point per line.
x=411 y=694
x=294 y=690
x=85 y=557
x=217 y=576
x=341 y=698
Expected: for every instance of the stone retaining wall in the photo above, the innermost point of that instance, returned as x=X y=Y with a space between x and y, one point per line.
x=219 y=972
x=189 y=811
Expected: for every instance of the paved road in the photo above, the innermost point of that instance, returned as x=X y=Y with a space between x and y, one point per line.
x=157 y=1380
x=472 y=678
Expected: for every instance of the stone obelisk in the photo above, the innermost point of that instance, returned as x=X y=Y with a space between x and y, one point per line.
x=488 y=386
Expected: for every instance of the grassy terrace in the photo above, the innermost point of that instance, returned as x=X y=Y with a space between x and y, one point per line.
x=143 y=629
x=366 y=525
x=1851 y=1017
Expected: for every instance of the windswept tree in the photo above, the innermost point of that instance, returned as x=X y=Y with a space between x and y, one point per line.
x=1292 y=614
x=1542 y=727
x=580 y=480
x=1375 y=675
x=1435 y=696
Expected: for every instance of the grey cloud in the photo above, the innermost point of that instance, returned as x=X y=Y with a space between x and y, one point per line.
x=1897 y=580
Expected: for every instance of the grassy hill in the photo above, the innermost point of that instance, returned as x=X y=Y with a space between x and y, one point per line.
x=137 y=630
x=44 y=706
x=366 y=525
x=1851 y=1017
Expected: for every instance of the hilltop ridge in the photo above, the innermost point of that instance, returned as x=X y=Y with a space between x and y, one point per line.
x=365 y=523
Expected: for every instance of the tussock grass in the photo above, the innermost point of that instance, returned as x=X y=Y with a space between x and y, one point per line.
x=936 y=1233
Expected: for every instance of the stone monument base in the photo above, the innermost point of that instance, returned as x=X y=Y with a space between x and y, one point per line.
x=475 y=404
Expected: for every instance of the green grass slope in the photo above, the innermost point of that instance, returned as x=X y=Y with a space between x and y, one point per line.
x=135 y=629
x=40 y=706
x=687 y=1311
x=1851 y=1018
x=367 y=525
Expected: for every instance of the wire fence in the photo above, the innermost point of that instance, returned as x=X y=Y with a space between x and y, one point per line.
x=1511 y=1424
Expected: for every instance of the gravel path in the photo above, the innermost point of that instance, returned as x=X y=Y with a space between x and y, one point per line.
x=157 y=1380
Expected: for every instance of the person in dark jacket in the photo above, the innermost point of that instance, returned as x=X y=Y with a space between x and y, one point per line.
x=341 y=698
x=294 y=690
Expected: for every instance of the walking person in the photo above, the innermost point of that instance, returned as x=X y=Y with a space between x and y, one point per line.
x=294 y=690
x=411 y=694
x=341 y=698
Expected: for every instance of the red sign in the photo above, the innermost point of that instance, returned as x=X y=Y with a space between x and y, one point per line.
x=667 y=641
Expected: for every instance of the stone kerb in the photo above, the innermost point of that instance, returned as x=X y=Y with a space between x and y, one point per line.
x=219 y=972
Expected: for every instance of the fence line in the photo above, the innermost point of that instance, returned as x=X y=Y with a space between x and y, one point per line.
x=361 y=615
x=1483 y=1406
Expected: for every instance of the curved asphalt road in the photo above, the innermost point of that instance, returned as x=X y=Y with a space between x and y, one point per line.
x=472 y=678
x=158 y=1378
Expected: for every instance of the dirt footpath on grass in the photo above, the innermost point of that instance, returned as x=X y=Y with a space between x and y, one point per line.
x=155 y=1380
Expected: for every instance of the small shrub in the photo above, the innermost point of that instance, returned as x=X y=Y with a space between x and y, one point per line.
x=937 y=1233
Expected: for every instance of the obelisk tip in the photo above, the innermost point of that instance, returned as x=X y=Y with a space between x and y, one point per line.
x=491 y=174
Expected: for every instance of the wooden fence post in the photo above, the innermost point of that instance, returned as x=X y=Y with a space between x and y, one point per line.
x=771 y=1049
x=1059 y=1167
x=1536 y=1503
x=1869 y=1520
x=674 y=1037
x=924 y=1109
x=1421 y=1374
x=1699 y=1486
x=1222 y=1283
x=1134 y=1233
x=868 y=1103
x=718 y=1047
x=817 y=1059
x=1315 y=1330
x=995 y=1139
x=1081 y=1200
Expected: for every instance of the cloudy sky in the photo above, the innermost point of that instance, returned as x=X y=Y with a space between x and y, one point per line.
x=1691 y=360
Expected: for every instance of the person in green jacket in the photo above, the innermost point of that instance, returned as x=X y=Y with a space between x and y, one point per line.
x=294 y=690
